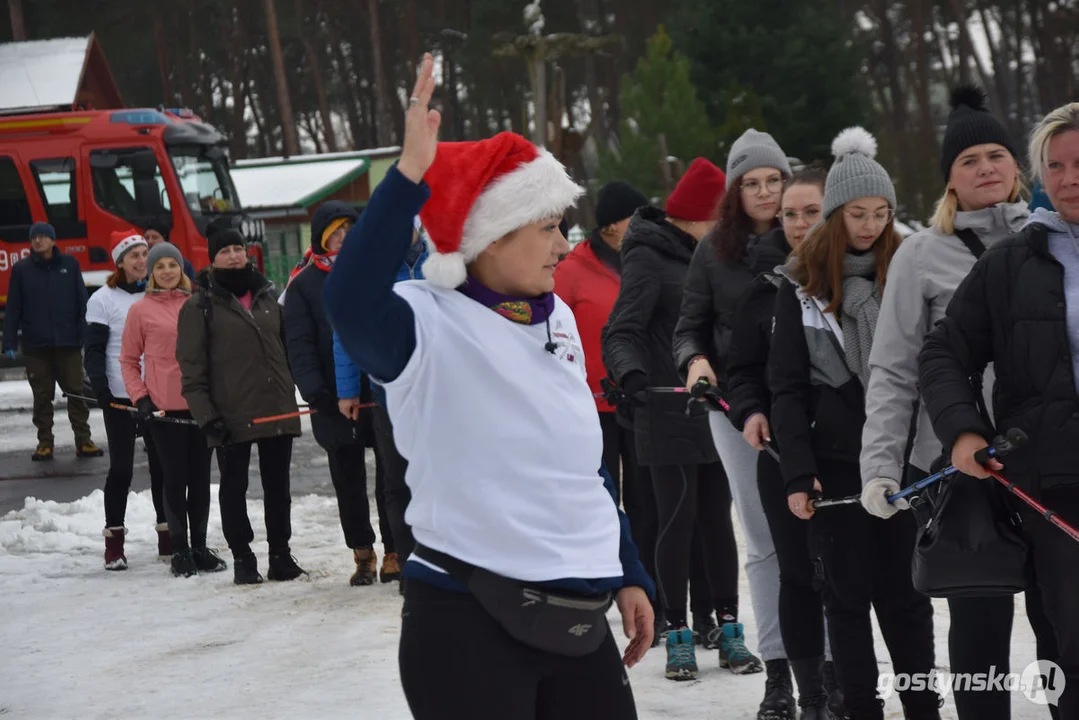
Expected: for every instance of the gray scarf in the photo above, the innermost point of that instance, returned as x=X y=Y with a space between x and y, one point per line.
x=861 y=307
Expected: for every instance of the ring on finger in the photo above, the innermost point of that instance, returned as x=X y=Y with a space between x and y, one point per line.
x=413 y=100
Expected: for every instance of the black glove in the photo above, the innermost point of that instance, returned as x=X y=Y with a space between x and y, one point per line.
x=633 y=386
x=217 y=430
x=105 y=399
x=145 y=407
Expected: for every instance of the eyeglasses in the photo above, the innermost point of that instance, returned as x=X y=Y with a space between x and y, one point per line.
x=878 y=218
x=790 y=217
x=773 y=185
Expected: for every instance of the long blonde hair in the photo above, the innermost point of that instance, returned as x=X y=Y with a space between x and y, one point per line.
x=943 y=219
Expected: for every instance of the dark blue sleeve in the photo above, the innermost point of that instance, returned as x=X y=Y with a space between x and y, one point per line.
x=189 y=270
x=382 y=337
x=633 y=572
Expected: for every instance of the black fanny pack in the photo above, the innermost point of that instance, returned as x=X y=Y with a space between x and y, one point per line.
x=562 y=624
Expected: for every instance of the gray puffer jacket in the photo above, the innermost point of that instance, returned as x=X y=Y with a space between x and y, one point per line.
x=922 y=278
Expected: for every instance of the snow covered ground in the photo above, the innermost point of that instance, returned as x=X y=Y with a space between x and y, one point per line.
x=79 y=642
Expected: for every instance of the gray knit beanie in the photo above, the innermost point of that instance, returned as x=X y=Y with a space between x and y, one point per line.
x=855 y=174
x=163 y=250
x=755 y=149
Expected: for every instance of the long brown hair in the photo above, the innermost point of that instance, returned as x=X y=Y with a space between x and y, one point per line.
x=818 y=261
x=731 y=234
x=117 y=277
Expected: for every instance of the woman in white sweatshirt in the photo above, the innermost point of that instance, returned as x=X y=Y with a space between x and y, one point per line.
x=980 y=206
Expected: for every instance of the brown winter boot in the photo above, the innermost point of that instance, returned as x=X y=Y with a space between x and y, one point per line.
x=391 y=570
x=164 y=541
x=88 y=450
x=114 y=548
x=366 y=567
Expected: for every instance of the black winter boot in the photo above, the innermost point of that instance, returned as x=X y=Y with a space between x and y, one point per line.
x=206 y=560
x=183 y=564
x=283 y=567
x=703 y=625
x=778 y=703
x=246 y=569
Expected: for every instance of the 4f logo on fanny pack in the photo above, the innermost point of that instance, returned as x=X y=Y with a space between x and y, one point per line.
x=580 y=629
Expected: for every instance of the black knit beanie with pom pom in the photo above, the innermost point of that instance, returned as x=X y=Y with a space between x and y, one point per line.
x=970 y=124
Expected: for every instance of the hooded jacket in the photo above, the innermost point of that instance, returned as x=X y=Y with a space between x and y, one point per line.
x=233 y=360
x=309 y=337
x=590 y=287
x=1010 y=311
x=325 y=214
x=713 y=289
x=655 y=259
x=148 y=354
x=922 y=278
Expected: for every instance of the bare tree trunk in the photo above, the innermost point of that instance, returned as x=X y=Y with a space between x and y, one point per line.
x=162 y=54
x=586 y=17
x=316 y=78
x=309 y=124
x=539 y=95
x=344 y=71
x=234 y=36
x=383 y=121
x=927 y=145
x=263 y=131
x=18 y=22
x=288 y=123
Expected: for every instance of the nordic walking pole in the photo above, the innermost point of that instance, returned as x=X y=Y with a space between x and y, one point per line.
x=158 y=415
x=1000 y=447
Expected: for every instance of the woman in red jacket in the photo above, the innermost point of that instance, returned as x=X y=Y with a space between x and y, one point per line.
x=152 y=378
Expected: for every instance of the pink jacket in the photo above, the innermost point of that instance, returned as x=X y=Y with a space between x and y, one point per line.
x=150 y=344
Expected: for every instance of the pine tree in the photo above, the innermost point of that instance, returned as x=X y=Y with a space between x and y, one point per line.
x=662 y=117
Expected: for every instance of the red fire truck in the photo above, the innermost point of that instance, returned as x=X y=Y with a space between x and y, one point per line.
x=91 y=172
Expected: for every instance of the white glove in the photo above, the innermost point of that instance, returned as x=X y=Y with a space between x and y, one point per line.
x=875 y=498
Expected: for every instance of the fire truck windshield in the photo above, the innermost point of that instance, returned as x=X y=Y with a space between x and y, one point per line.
x=203 y=172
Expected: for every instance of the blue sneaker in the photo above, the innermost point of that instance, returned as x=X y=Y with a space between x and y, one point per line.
x=681 y=655
x=733 y=653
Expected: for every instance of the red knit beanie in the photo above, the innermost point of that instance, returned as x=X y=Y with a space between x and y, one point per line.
x=698 y=193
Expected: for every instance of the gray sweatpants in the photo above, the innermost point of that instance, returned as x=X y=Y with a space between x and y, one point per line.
x=762 y=565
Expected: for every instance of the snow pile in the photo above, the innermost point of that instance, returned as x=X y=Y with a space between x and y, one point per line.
x=83 y=642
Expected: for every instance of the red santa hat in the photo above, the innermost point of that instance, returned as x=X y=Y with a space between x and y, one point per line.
x=124 y=240
x=480 y=192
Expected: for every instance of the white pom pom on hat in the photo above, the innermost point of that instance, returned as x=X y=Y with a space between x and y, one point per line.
x=855 y=174
x=482 y=191
x=855 y=140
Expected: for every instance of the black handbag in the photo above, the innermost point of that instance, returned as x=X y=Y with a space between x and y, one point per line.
x=970 y=541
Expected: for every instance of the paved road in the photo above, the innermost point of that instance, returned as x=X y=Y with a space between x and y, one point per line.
x=67 y=478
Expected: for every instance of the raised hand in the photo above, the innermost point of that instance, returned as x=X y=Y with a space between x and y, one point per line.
x=421 y=126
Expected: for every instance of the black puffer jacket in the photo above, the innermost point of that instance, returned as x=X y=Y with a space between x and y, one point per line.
x=309 y=340
x=1010 y=311
x=713 y=289
x=751 y=335
x=637 y=339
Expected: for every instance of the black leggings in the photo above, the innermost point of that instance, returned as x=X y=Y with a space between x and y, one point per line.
x=120 y=429
x=689 y=496
x=186 y=464
x=866 y=565
x=394 y=494
x=801 y=611
x=448 y=641
x=275 y=456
